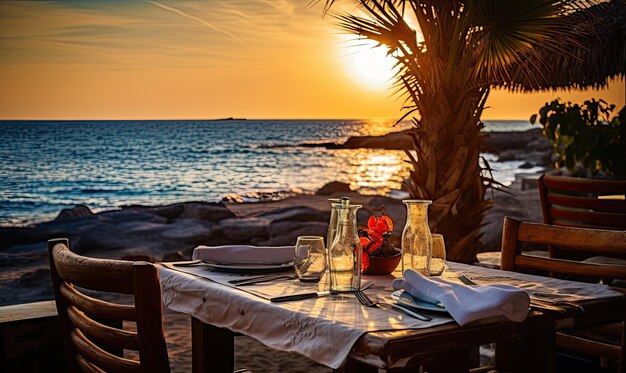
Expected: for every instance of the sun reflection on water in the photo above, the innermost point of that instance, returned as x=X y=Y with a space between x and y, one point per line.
x=375 y=171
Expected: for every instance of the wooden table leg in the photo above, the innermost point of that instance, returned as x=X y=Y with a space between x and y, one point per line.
x=212 y=348
x=354 y=366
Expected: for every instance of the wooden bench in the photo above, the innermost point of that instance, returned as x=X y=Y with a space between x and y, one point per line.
x=30 y=339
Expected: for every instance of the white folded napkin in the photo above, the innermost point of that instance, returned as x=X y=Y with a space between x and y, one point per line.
x=467 y=303
x=245 y=254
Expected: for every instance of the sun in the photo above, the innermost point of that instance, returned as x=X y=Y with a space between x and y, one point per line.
x=368 y=64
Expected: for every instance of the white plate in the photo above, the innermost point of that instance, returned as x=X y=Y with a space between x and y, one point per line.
x=250 y=268
x=406 y=299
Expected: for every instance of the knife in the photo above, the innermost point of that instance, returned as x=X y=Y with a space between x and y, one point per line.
x=287 y=298
x=405 y=310
x=319 y=294
x=259 y=279
x=545 y=306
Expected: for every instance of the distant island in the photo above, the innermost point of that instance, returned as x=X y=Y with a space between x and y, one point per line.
x=229 y=118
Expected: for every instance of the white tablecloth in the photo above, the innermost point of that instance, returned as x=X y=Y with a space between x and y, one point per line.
x=322 y=329
x=325 y=329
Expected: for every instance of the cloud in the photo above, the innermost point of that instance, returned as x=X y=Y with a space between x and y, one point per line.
x=194 y=18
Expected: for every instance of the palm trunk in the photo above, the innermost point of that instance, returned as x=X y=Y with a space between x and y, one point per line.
x=446 y=170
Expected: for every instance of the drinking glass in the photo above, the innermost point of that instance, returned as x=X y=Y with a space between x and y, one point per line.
x=310 y=258
x=438 y=256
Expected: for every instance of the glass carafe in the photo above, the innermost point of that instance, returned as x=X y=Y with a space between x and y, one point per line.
x=345 y=252
x=417 y=242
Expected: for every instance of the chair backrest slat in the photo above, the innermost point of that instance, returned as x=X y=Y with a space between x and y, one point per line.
x=97 y=308
x=585 y=185
x=606 y=242
x=588 y=217
x=101 y=358
x=92 y=329
x=103 y=333
x=570 y=267
x=572 y=201
x=89 y=274
x=87 y=366
x=584 y=239
x=591 y=203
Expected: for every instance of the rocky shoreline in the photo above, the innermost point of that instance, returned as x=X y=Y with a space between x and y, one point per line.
x=507 y=145
x=170 y=232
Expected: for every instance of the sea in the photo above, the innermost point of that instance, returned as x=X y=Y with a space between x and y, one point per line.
x=46 y=166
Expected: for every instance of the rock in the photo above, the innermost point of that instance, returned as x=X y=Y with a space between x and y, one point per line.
x=523 y=205
x=188 y=230
x=394 y=141
x=13 y=261
x=75 y=212
x=498 y=141
x=286 y=232
x=241 y=230
x=34 y=278
x=130 y=237
x=25 y=285
x=211 y=212
x=334 y=187
x=126 y=215
x=169 y=212
x=233 y=198
x=297 y=214
x=508 y=155
x=28 y=248
x=526 y=165
x=12 y=236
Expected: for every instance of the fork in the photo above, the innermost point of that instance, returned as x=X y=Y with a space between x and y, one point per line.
x=466 y=280
x=367 y=302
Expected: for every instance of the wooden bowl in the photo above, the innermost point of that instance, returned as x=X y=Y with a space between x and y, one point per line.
x=382 y=265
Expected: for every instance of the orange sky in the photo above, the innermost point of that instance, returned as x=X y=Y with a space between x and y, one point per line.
x=192 y=59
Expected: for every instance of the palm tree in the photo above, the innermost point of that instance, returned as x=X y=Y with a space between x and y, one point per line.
x=447 y=65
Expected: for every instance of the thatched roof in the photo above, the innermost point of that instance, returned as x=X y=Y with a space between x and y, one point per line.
x=598 y=56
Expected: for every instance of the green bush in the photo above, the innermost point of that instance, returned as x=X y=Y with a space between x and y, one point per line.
x=586 y=135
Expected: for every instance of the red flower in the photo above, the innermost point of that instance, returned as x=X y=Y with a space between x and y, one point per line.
x=382 y=224
x=378 y=228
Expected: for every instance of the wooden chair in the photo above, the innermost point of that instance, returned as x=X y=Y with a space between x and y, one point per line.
x=574 y=202
x=603 y=242
x=91 y=328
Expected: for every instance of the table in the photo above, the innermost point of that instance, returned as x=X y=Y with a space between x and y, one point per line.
x=441 y=348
